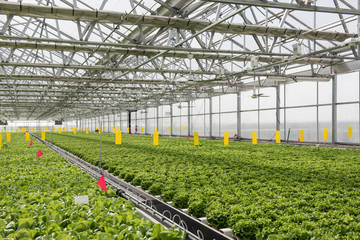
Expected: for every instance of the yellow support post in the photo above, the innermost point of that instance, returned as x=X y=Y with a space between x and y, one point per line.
x=99 y=130
x=8 y=137
x=118 y=127
x=47 y=129
x=80 y=129
x=113 y=130
x=142 y=130
x=196 y=139
x=302 y=135
x=169 y=128
x=74 y=130
x=350 y=132
x=155 y=129
x=43 y=136
x=254 y=138
x=325 y=133
x=59 y=130
x=33 y=129
x=226 y=138
x=181 y=127
x=27 y=137
x=278 y=137
x=87 y=130
x=104 y=128
x=118 y=137
x=127 y=130
x=156 y=138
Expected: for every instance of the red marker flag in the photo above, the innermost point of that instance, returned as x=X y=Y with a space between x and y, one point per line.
x=31 y=143
x=102 y=183
x=298 y=140
x=39 y=154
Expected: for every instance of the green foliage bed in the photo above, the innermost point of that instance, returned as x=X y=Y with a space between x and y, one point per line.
x=263 y=191
x=37 y=201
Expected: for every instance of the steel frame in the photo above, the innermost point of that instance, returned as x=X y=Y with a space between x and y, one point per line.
x=129 y=61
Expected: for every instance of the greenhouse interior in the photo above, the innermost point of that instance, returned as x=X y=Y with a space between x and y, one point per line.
x=180 y=119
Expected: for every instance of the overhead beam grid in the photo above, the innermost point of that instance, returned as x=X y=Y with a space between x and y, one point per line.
x=70 y=59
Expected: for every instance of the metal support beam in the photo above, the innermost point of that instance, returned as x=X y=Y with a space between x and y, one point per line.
x=157 y=118
x=175 y=53
x=171 y=120
x=129 y=121
x=278 y=107
x=211 y=118
x=29 y=10
x=238 y=113
x=334 y=110
x=189 y=119
x=290 y=6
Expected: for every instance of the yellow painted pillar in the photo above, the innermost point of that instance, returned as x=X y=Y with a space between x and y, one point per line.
x=278 y=137
x=142 y=130
x=27 y=136
x=156 y=138
x=8 y=137
x=87 y=130
x=325 y=134
x=155 y=129
x=80 y=129
x=59 y=130
x=43 y=136
x=226 y=138
x=196 y=139
x=350 y=132
x=181 y=127
x=118 y=137
x=254 y=138
x=169 y=128
x=127 y=130
x=118 y=127
x=74 y=130
x=33 y=129
x=302 y=135
x=99 y=130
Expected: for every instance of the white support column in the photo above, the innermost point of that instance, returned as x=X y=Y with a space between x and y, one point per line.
x=238 y=112
x=157 y=118
x=210 y=117
x=171 y=120
x=285 y=132
x=189 y=121
x=278 y=107
x=334 y=110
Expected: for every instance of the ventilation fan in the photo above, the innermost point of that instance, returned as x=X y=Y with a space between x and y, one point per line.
x=180 y=106
x=258 y=94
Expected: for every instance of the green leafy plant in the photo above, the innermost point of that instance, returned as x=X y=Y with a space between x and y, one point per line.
x=265 y=191
x=37 y=201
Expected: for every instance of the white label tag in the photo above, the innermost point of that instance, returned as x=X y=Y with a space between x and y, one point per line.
x=82 y=199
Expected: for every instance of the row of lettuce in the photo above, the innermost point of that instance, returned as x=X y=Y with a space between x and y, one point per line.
x=261 y=191
x=37 y=201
